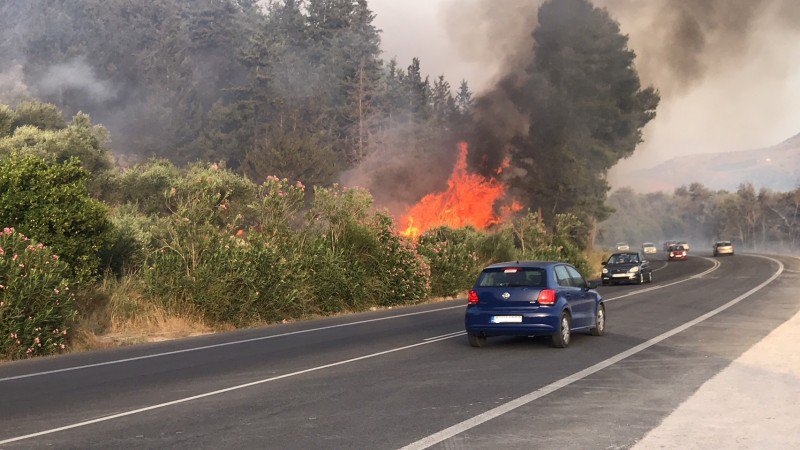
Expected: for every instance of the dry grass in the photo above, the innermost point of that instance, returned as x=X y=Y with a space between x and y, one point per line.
x=596 y=256
x=116 y=314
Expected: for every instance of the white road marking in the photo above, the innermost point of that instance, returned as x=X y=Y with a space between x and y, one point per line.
x=541 y=392
x=661 y=286
x=473 y=422
x=217 y=392
x=262 y=338
x=223 y=344
x=453 y=334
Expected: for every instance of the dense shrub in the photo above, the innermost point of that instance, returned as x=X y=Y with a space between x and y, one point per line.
x=130 y=239
x=36 y=304
x=452 y=257
x=50 y=203
x=538 y=241
x=144 y=186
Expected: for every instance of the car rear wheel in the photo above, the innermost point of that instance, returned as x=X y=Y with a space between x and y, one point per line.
x=600 y=321
x=476 y=340
x=563 y=335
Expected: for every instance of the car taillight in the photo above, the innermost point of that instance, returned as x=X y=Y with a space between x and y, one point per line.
x=547 y=297
x=473 y=298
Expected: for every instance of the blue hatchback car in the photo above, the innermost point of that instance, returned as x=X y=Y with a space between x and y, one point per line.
x=533 y=298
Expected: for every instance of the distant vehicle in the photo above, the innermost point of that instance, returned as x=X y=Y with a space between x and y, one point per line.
x=533 y=298
x=668 y=244
x=623 y=247
x=649 y=248
x=723 y=248
x=684 y=244
x=677 y=253
x=626 y=267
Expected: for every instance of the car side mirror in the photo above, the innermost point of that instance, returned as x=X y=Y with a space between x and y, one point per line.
x=603 y=263
x=593 y=284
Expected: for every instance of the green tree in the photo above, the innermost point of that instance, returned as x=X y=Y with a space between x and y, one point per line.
x=581 y=108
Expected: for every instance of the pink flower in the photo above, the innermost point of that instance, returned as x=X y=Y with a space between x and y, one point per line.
x=56 y=291
x=8 y=230
x=215 y=166
x=36 y=340
x=22 y=266
x=40 y=246
x=55 y=257
x=26 y=238
x=2 y=252
x=14 y=258
x=63 y=346
x=2 y=287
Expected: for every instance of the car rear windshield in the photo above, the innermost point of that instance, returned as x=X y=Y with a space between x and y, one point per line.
x=723 y=244
x=677 y=248
x=512 y=277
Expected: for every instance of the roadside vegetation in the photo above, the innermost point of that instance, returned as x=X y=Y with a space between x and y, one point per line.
x=155 y=246
x=232 y=123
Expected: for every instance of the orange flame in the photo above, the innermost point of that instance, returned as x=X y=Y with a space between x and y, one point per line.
x=469 y=199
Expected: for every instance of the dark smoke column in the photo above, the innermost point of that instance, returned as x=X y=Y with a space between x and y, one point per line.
x=567 y=115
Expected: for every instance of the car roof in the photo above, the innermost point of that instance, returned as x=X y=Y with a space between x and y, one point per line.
x=647 y=244
x=524 y=264
x=624 y=253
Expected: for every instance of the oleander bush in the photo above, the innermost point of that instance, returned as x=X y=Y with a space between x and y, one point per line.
x=453 y=259
x=50 y=203
x=37 y=307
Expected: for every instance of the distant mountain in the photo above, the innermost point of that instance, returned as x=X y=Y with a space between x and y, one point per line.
x=776 y=168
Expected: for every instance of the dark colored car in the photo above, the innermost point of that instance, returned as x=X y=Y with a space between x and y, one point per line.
x=678 y=253
x=627 y=267
x=669 y=244
x=533 y=298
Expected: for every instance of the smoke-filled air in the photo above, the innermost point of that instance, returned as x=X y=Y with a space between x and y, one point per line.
x=224 y=163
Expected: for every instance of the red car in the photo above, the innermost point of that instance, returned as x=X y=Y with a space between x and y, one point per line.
x=678 y=253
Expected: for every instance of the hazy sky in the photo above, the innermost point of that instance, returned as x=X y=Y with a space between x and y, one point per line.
x=752 y=103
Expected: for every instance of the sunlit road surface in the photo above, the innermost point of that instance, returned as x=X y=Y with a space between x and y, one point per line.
x=407 y=377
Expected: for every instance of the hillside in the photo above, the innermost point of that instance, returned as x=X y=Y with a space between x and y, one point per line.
x=776 y=168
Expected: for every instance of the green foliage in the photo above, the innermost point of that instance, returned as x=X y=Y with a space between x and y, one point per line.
x=43 y=116
x=37 y=307
x=452 y=257
x=50 y=203
x=145 y=186
x=7 y=120
x=130 y=238
x=80 y=140
x=559 y=242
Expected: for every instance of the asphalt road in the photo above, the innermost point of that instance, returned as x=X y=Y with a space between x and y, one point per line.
x=407 y=376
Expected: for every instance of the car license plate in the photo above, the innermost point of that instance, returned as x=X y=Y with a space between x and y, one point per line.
x=506 y=319
x=620 y=275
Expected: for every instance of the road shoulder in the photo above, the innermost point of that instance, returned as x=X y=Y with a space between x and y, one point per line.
x=752 y=403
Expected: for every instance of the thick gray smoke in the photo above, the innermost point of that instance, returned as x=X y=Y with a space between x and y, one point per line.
x=681 y=42
x=75 y=74
x=726 y=69
x=678 y=42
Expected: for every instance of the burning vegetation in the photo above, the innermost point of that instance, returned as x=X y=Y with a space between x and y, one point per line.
x=470 y=200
